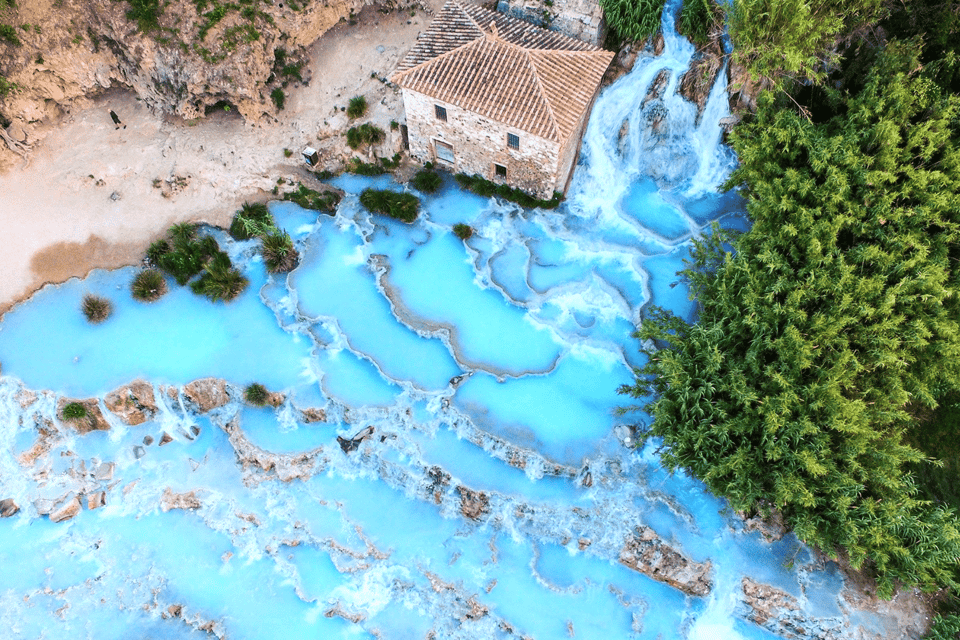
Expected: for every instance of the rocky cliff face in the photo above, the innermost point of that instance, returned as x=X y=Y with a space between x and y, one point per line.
x=192 y=55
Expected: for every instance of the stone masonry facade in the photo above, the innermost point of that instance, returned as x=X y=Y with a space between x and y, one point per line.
x=580 y=19
x=480 y=143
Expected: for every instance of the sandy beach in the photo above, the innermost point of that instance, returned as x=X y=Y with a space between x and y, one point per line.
x=93 y=196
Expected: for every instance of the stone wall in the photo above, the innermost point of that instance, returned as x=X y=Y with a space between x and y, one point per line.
x=580 y=19
x=479 y=143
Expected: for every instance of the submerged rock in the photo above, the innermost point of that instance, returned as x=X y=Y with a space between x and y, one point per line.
x=312 y=414
x=133 y=403
x=186 y=501
x=473 y=504
x=8 y=508
x=647 y=553
x=207 y=394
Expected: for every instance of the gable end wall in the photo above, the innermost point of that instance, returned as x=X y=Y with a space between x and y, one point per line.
x=478 y=143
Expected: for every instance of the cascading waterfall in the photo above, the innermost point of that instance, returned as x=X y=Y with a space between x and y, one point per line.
x=481 y=486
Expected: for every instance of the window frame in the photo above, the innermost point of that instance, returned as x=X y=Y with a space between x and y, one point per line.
x=511 y=139
x=440 y=112
x=437 y=145
x=497 y=173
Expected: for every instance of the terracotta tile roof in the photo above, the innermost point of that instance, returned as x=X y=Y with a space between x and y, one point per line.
x=505 y=69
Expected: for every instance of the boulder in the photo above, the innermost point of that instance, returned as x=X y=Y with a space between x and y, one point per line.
x=353 y=443
x=207 y=394
x=696 y=83
x=647 y=553
x=8 y=508
x=96 y=500
x=134 y=403
x=66 y=510
x=165 y=439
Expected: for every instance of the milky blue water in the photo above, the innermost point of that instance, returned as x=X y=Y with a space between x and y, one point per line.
x=489 y=365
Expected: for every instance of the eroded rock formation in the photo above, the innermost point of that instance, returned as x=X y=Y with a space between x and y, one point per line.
x=182 y=61
x=647 y=553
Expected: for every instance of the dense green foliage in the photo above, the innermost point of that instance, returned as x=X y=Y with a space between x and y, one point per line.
x=426 y=180
x=251 y=221
x=184 y=255
x=483 y=187
x=633 y=19
x=365 y=133
x=774 y=38
x=146 y=13
x=945 y=627
x=95 y=308
x=463 y=231
x=697 y=18
x=832 y=320
x=279 y=98
x=314 y=200
x=220 y=280
x=9 y=34
x=401 y=206
x=357 y=107
x=256 y=394
x=148 y=285
x=74 y=411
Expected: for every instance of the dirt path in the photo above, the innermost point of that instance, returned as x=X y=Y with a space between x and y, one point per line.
x=96 y=196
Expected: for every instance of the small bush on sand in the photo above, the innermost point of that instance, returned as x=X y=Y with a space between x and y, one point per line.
x=365 y=133
x=279 y=98
x=401 y=206
x=463 y=231
x=427 y=181
x=256 y=394
x=278 y=252
x=95 y=308
x=74 y=411
x=357 y=107
x=250 y=221
x=148 y=285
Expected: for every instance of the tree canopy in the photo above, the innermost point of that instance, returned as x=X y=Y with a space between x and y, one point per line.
x=825 y=325
x=794 y=38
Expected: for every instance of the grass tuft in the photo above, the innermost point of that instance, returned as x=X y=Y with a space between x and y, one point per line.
x=357 y=107
x=279 y=254
x=96 y=308
x=365 y=133
x=74 y=411
x=148 y=285
x=484 y=187
x=250 y=221
x=427 y=181
x=256 y=394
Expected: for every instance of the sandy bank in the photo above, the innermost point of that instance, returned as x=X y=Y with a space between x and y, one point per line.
x=93 y=196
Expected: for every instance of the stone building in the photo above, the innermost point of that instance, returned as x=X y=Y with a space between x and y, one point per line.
x=496 y=96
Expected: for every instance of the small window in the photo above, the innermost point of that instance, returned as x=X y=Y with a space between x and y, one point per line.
x=500 y=170
x=513 y=141
x=444 y=152
x=441 y=112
